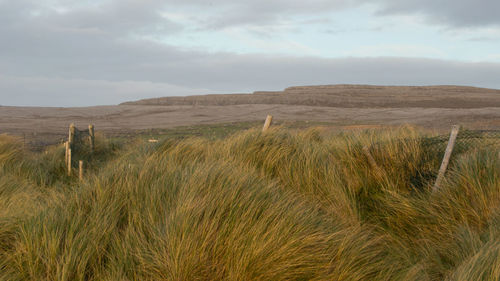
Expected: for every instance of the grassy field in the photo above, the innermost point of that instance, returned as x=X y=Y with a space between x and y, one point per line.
x=300 y=204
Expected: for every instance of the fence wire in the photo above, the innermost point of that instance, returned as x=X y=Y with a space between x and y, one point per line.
x=466 y=140
x=432 y=149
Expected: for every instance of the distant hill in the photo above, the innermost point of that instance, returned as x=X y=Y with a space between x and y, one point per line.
x=349 y=96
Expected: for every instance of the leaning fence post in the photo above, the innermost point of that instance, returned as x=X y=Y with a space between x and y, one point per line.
x=447 y=154
x=69 y=162
x=371 y=160
x=267 y=123
x=91 y=137
x=80 y=170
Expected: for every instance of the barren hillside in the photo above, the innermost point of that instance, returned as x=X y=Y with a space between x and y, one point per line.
x=349 y=96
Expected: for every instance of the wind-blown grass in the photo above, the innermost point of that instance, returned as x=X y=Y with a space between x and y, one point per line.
x=280 y=205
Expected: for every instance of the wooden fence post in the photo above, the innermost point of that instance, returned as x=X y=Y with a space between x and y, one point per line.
x=267 y=123
x=447 y=154
x=80 y=170
x=371 y=160
x=71 y=135
x=69 y=162
x=66 y=148
x=91 y=137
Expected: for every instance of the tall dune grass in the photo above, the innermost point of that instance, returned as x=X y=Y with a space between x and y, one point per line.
x=280 y=205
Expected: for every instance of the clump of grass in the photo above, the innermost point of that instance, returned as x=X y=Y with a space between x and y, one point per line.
x=280 y=205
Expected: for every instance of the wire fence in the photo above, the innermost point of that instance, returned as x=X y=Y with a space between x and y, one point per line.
x=466 y=140
x=432 y=149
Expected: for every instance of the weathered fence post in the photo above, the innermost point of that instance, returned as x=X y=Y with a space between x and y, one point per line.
x=69 y=162
x=371 y=160
x=71 y=135
x=91 y=137
x=66 y=148
x=267 y=123
x=80 y=170
x=447 y=154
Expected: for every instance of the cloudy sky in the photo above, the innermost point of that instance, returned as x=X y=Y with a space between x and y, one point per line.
x=91 y=52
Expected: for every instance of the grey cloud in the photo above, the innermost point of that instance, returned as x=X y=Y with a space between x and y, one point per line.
x=249 y=72
x=458 y=13
x=43 y=91
x=96 y=57
x=144 y=16
x=264 y=12
x=454 y=13
x=37 y=51
x=484 y=39
x=123 y=16
x=113 y=18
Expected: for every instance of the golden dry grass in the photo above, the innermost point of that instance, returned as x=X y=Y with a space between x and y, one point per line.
x=280 y=205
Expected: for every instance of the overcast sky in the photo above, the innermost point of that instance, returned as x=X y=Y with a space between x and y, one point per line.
x=93 y=52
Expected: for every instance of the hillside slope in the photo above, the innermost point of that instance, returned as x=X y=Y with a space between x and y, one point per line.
x=349 y=96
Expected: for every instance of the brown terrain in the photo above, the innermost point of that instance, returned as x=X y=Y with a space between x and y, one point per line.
x=435 y=107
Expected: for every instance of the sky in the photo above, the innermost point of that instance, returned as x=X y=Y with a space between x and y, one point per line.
x=99 y=52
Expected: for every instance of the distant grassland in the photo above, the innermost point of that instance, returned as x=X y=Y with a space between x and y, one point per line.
x=221 y=130
x=301 y=204
x=212 y=131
